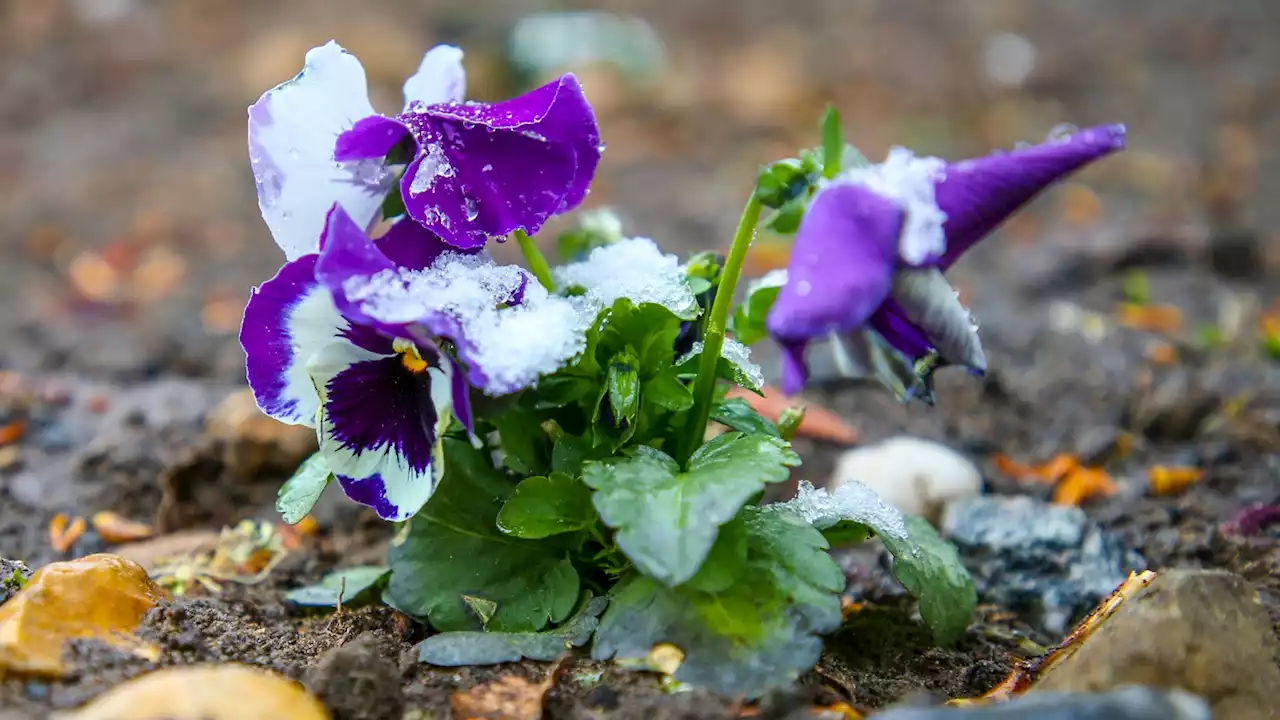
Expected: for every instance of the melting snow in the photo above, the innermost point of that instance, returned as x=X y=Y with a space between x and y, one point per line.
x=853 y=501
x=909 y=180
x=634 y=268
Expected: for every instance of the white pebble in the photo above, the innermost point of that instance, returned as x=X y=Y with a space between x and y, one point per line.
x=917 y=476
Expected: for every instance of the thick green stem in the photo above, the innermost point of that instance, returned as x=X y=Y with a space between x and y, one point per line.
x=537 y=261
x=704 y=385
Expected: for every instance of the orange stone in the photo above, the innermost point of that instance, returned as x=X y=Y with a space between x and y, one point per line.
x=97 y=596
x=204 y=692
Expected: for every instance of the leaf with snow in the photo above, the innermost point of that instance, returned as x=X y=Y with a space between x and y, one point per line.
x=635 y=269
x=735 y=364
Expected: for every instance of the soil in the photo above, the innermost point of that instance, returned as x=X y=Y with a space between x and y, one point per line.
x=131 y=238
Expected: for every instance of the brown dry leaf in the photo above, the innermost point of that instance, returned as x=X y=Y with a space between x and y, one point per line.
x=153 y=552
x=507 y=698
x=98 y=596
x=1079 y=205
x=93 y=277
x=115 y=528
x=1173 y=480
x=1162 y=353
x=1084 y=484
x=1026 y=672
x=204 y=692
x=819 y=423
x=1152 y=318
x=64 y=532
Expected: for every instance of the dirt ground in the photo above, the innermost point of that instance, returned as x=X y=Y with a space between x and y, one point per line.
x=131 y=237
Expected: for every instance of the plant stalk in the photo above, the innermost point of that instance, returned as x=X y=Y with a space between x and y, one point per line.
x=704 y=385
x=538 y=264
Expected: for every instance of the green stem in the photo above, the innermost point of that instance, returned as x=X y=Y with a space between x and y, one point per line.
x=704 y=385
x=537 y=261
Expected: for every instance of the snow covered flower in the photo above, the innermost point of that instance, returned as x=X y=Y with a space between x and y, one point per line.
x=872 y=247
x=376 y=344
x=474 y=170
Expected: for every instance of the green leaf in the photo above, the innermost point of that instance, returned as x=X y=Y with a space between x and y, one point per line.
x=751 y=635
x=783 y=181
x=456 y=649
x=525 y=445
x=299 y=493
x=738 y=414
x=454 y=555
x=930 y=569
x=666 y=390
x=561 y=389
x=786 y=219
x=832 y=142
x=666 y=520
x=748 y=324
x=624 y=387
x=346 y=587
x=569 y=453
x=789 y=422
x=544 y=506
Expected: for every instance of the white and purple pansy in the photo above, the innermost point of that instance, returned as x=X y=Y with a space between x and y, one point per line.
x=475 y=170
x=872 y=247
x=359 y=341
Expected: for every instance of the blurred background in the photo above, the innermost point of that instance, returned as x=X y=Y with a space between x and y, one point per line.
x=130 y=229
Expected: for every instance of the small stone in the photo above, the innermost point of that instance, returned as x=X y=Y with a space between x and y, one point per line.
x=204 y=692
x=1042 y=560
x=1204 y=631
x=1130 y=703
x=917 y=476
x=13 y=575
x=253 y=442
x=358 y=680
x=97 y=596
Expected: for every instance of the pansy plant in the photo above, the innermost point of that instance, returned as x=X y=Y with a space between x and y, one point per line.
x=541 y=433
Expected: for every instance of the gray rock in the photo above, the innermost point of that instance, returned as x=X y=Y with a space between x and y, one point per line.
x=13 y=575
x=1204 y=631
x=1131 y=703
x=1047 y=562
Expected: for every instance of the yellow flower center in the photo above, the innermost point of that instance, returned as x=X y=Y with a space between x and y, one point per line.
x=410 y=358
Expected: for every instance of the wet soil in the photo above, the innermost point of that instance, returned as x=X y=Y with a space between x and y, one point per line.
x=131 y=238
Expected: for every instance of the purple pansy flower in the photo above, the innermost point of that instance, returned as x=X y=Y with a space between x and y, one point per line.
x=348 y=341
x=875 y=241
x=477 y=169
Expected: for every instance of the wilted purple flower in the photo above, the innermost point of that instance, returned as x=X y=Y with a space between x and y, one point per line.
x=349 y=342
x=875 y=241
x=476 y=169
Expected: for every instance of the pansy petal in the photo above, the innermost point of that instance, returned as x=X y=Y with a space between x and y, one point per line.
x=288 y=319
x=978 y=195
x=370 y=137
x=929 y=301
x=380 y=425
x=842 y=263
x=441 y=78
x=905 y=336
x=293 y=130
x=794 y=370
x=471 y=182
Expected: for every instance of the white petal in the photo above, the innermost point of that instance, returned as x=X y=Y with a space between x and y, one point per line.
x=292 y=132
x=440 y=78
x=929 y=301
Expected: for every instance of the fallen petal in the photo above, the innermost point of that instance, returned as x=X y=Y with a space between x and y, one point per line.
x=98 y=596
x=208 y=692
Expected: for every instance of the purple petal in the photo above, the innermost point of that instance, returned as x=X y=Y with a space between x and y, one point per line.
x=978 y=195
x=842 y=264
x=288 y=319
x=293 y=131
x=795 y=373
x=891 y=322
x=370 y=137
x=379 y=427
x=440 y=78
x=487 y=170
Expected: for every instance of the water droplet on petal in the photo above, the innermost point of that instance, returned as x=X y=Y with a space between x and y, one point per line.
x=600 y=148
x=1062 y=132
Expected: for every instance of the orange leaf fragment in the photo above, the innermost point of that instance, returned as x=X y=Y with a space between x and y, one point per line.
x=1162 y=353
x=98 y=596
x=1152 y=318
x=839 y=711
x=12 y=432
x=507 y=698
x=819 y=423
x=1084 y=484
x=64 y=532
x=1057 y=467
x=208 y=692
x=115 y=528
x=1173 y=480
